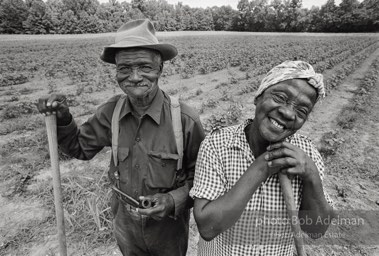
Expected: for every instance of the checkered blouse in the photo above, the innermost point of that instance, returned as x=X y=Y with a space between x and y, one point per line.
x=262 y=228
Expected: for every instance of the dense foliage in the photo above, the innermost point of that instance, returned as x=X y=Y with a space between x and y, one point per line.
x=89 y=16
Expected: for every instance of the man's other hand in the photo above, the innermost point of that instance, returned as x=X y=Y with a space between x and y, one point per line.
x=163 y=205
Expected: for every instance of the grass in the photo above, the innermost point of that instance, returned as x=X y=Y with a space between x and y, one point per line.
x=86 y=202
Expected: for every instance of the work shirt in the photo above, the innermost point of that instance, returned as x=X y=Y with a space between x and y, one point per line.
x=263 y=227
x=147 y=152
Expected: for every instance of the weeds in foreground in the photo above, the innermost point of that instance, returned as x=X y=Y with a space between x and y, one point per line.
x=86 y=202
x=228 y=117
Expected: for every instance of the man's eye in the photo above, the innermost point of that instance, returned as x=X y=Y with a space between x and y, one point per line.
x=124 y=69
x=146 y=68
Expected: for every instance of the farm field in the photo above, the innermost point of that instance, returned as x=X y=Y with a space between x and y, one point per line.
x=217 y=73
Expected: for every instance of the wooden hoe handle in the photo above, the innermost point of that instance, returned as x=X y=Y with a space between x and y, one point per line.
x=51 y=128
x=285 y=183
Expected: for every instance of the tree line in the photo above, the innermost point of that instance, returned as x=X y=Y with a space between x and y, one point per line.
x=89 y=16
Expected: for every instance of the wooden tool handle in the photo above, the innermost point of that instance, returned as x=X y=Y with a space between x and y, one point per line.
x=286 y=185
x=51 y=128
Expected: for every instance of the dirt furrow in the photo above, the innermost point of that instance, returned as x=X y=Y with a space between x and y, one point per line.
x=325 y=114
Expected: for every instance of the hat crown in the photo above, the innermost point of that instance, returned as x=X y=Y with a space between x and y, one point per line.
x=136 y=32
x=141 y=34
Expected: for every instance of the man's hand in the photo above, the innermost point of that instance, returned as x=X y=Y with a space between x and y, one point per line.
x=290 y=159
x=54 y=104
x=163 y=205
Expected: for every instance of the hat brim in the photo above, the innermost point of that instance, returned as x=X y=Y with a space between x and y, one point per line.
x=167 y=51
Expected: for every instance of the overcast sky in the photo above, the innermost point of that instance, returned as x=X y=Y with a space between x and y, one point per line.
x=233 y=3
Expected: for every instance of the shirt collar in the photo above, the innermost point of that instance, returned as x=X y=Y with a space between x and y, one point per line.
x=154 y=111
x=238 y=140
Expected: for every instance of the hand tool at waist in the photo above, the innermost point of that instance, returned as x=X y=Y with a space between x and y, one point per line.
x=131 y=201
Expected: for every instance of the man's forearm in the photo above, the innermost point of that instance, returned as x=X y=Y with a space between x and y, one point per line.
x=70 y=143
x=181 y=199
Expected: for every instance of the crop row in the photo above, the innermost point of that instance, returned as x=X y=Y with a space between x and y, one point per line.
x=339 y=74
x=258 y=54
x=331 y=141
x=78 y=59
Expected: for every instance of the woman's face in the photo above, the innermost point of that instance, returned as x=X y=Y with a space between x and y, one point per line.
x=283 y=109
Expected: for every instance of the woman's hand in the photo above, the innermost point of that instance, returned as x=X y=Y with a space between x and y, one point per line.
x=290 y=160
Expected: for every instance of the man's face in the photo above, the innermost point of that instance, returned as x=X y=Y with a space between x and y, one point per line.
x=138 y=71
x=283 y=109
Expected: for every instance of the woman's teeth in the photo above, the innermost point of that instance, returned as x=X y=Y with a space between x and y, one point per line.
x=276 y=124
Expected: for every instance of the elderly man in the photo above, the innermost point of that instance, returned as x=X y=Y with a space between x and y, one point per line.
x=145 y=158
x=239 y=206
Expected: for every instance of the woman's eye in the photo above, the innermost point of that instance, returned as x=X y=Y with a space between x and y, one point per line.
x=279 y=98
x=302 y=112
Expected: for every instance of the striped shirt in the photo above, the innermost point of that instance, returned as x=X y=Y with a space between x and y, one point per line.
x=263 y=228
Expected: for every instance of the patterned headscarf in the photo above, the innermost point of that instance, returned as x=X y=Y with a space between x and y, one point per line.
x=290 y=70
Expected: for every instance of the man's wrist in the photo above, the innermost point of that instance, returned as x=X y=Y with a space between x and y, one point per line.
x=64 y=120
x=171 y=211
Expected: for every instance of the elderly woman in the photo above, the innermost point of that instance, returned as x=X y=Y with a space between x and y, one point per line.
x=239 y=206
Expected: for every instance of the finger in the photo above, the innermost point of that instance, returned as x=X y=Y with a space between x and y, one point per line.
x=290 y=172
x=50 y=100
x=151 y=211
x=294 y=171
x=275 y=146
x=279 y=153
x=41 y=105
x=290 y=146
x=146 y=198
x=55 y=102
x=61 y=100
x=284 y=162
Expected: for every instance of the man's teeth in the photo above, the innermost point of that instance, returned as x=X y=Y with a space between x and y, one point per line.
x=276 y=124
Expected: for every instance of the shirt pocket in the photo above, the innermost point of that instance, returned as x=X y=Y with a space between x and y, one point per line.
x=122 y=155
x=162 y=170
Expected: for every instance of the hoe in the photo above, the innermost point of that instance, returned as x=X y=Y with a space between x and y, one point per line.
x=51 y=128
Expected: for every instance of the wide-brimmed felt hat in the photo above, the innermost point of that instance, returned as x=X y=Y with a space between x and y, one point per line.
x=140 y=34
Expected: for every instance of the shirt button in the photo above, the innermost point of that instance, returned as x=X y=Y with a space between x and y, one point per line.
x=138 y=139
x=164 y=164
x=136 y=192
x=137 y=166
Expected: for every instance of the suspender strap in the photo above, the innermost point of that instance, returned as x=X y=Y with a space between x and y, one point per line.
x=116 y=127
x=177 y=127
